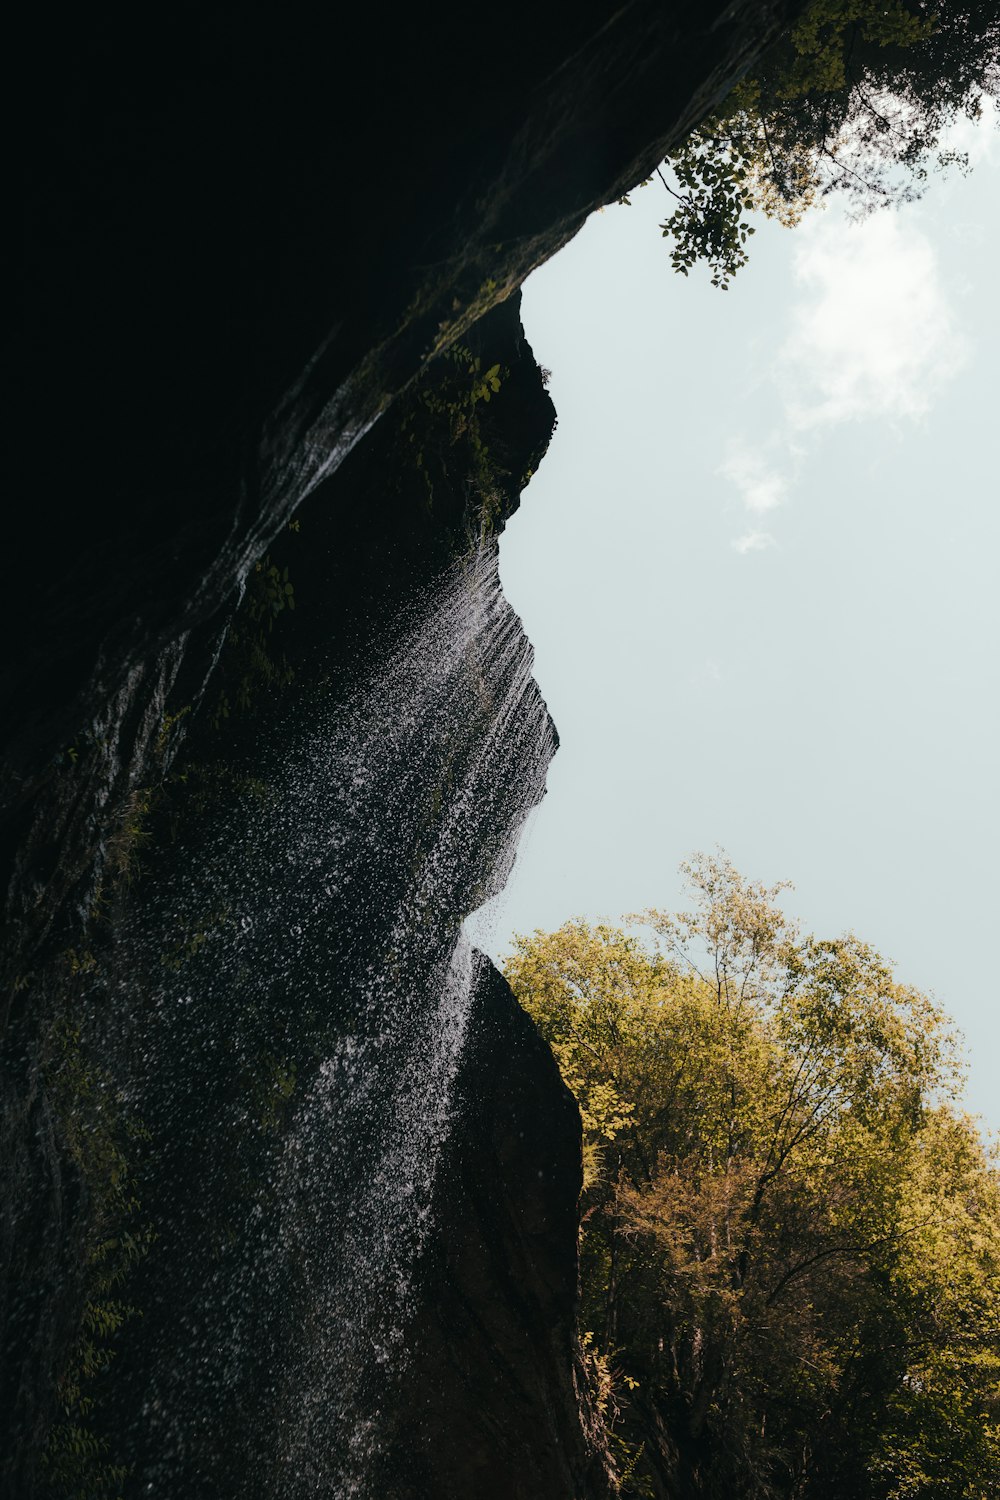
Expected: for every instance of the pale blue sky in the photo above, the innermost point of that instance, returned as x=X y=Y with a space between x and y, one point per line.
x=759 y=568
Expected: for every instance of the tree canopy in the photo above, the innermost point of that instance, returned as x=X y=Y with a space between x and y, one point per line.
x=790 y=1235
x=856 y=99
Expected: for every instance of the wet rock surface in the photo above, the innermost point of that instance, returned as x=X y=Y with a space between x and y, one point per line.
x=231 y=282
x=277 y=997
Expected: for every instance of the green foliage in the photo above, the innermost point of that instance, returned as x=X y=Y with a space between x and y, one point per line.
x=274 y=595
x=129 y=835
x=488 y=385
x=249 y=665
x=854 y=100
x=790 y=1238
x=269 y=1084
x=443 y=431
x=99 y=1134
x=708 y=223
x=77 y=1466
x=167 y=734
x=465 y=313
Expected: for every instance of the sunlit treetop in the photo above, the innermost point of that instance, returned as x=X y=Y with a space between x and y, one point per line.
x=856 y=99
x=789 y=1234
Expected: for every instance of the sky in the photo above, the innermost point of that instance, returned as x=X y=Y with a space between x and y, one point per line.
x=759 y=568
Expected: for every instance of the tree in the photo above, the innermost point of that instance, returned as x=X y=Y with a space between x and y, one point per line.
x=790 y=1239
x=855 y=99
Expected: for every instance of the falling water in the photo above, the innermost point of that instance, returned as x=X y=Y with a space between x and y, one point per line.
x=359 y=1287
x=316 y=944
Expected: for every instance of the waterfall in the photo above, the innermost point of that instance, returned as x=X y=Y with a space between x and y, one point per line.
x=313 y=1004
x=360 y=1286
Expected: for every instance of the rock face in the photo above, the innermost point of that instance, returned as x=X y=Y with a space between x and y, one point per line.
x=247 y=234
x=254 y=1068
x=252 y=1084
x=298 y=990
x=494 y=1346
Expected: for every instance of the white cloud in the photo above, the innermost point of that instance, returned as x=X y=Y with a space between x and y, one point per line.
x=978 y=138
x=753 y=541
x=871 y=336
x=760 y=485
x=874 y=334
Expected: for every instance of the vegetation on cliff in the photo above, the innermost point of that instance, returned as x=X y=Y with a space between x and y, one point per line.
x=790 y=1237
x=855 y=99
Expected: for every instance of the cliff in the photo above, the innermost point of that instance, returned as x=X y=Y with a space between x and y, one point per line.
x=271 y=1134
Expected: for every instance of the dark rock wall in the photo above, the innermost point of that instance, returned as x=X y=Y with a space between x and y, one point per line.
x=495 y=1347
x=309 y=1020
x=271 y=1055
x=247 y=231
x=248 y=235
